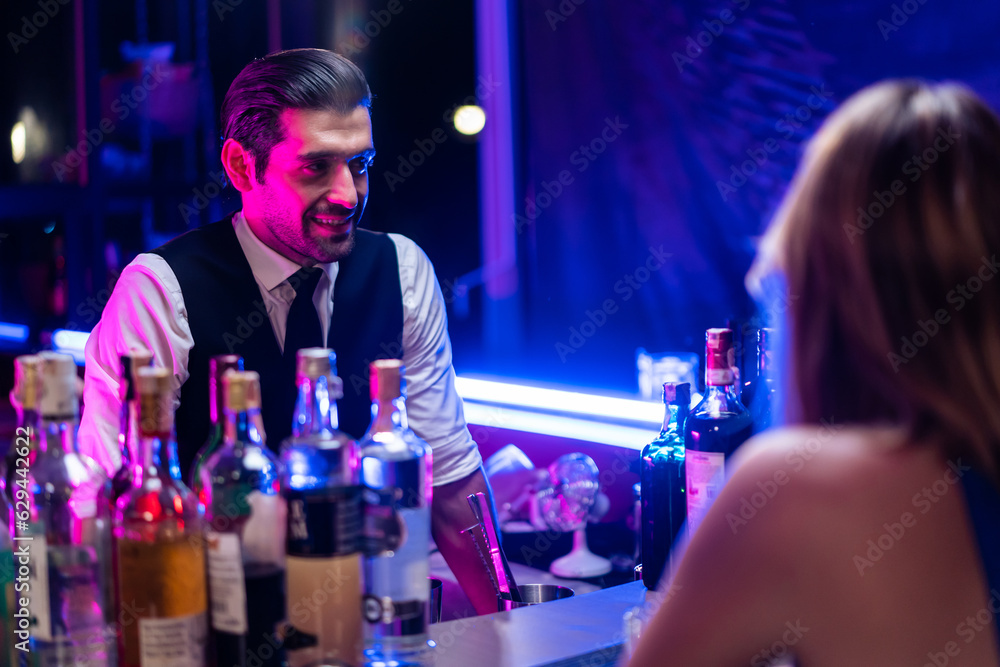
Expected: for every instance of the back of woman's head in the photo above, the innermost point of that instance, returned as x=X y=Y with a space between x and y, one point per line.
x=889 y=241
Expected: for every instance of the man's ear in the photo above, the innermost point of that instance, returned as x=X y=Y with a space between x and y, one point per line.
x=239 y=165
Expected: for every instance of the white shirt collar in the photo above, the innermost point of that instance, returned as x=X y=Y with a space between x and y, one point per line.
x=269 y=267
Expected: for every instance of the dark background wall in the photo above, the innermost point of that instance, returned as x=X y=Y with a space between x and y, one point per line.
x=653 y=143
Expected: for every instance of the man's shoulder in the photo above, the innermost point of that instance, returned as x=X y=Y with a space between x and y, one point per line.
x=409 y=254
x=207 y=238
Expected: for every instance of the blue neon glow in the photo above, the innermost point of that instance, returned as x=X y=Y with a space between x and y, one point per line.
x=13 y=333
x=587 y=405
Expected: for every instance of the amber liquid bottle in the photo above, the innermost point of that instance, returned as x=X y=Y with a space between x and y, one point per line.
x=163 y=600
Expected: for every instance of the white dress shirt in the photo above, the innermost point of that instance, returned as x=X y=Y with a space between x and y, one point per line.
x=147 y=310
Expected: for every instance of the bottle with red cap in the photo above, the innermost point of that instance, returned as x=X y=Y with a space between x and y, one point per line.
x=714 y=429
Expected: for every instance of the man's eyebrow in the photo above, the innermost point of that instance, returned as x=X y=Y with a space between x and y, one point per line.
x=367 y=153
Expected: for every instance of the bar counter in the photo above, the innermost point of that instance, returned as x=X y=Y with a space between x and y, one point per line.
x=582 y=630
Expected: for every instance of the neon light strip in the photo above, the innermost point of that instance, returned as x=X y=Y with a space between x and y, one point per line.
x=558 y=426
x=14 y=333
x=587 y=406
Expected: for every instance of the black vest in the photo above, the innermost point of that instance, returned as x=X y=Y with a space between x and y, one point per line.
x=227 y=316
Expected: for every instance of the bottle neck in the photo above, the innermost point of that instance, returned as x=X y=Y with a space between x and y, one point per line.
x=719 y=400
x=762 y=367
x=315 y=409
x=673 y=417
x=129 y=431
x=58 y=435
x=157 y=456
x=241 y=428
x=388 y=415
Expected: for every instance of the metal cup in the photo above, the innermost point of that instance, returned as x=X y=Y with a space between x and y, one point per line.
x=536 y=594
x=434 y=602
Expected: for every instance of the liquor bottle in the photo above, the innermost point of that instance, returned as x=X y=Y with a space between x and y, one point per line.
x=66 y=528
x=8 y=622
x=321 y=481
x=396 y=470
x=661 y=473
x=121 y=481
x=245 y=533
x=24 y=397
x=759 y=393
x=714 y=429
x=161 y=556
x=217 y=367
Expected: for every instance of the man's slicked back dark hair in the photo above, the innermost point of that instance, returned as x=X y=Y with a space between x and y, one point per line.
x=311 y=79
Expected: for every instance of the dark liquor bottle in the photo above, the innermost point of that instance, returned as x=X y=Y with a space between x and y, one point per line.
x=321 y=481
x=129 y=432
x=759 y=393
x=217 y=367
x=714 y=429
x=158 y=534
x=661 y=473
x=396 y=467
x=245 y=533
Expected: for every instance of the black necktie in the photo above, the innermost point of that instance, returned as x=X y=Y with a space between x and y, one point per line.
x=302 y=328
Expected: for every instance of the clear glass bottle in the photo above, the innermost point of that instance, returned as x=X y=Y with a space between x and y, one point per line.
x=245 y=534
x=661 y=474
x=163 y=601
x=321 y=481
x=217 y=367
x=66 y=528
x=25 y=399
x=714 y=429
x=396 y=470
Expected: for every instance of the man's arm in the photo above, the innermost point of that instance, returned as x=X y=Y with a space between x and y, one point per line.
x=451 y=514
x=145 y=310
x=434 y=411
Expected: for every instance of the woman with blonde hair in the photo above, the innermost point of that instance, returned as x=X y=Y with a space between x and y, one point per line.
x=875 y=535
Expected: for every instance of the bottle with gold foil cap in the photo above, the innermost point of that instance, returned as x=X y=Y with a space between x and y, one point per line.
x=321 y=482
x=160 y=548
x=67 y=525
x=244 y=532
x=396 y=467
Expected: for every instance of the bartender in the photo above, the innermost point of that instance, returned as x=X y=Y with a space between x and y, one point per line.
x=291 y=270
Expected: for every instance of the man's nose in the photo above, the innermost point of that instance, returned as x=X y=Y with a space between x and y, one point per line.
x=342 y=190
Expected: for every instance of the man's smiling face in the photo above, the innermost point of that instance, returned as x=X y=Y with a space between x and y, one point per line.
x=315 y=187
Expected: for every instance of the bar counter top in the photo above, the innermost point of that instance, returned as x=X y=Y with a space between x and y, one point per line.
x=586 y=630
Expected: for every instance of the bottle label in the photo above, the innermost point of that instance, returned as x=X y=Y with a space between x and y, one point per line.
x=163 y=582
x=173 y=642
x=226 y=587
x=324 y=523
x=264 y=533
x=706 y=475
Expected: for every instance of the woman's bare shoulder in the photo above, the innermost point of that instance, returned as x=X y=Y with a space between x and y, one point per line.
x=846 y=479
